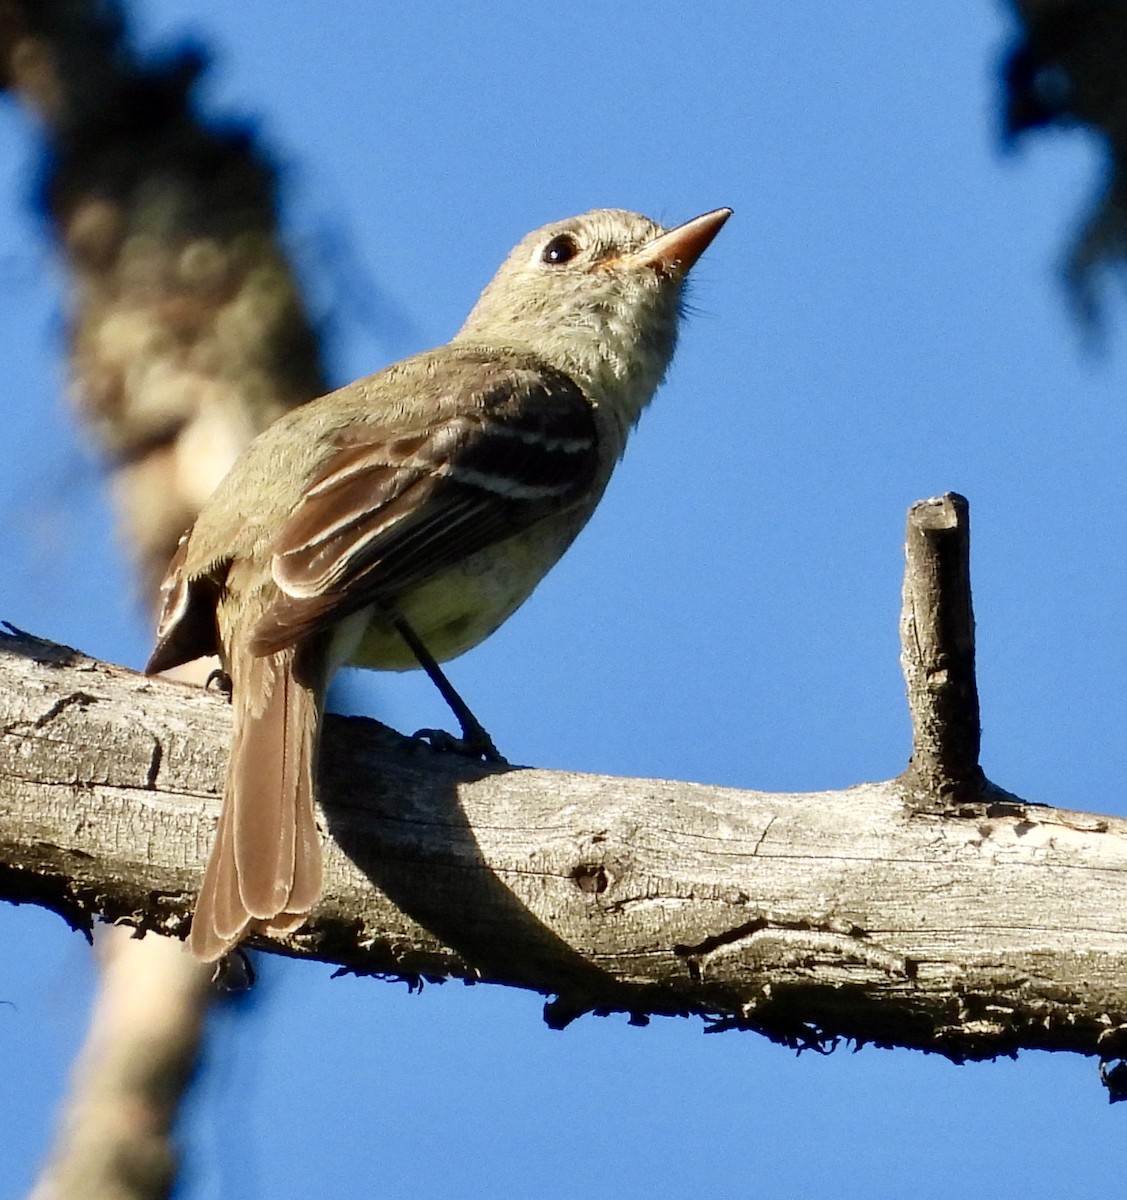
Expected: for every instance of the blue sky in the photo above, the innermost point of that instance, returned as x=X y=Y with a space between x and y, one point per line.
x=882 y=320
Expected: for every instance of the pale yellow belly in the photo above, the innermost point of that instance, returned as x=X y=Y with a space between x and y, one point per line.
x=463 y=606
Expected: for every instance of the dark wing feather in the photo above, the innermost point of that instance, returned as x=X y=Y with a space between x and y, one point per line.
x=389 y=511
x=186 y=628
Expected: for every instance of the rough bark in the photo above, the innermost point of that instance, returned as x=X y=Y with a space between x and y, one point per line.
x=971 y=932
x=937 y=657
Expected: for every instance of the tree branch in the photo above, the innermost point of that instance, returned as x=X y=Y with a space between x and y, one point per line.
x=188 y=334
x=937 y=653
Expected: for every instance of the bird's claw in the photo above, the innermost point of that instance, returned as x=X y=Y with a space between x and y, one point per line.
x=475 y=744
x=221 y=681
x=234 y=973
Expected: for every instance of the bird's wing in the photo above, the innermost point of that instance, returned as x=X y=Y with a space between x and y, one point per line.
x=395 y=505
x=186 y=626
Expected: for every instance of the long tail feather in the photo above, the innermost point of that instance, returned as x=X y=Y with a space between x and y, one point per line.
x=265 y=866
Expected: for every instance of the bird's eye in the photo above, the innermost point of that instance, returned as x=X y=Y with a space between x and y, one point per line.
x=561 y=249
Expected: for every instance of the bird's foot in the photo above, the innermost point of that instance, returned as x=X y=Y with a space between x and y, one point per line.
x=221 y=681
x=474 y=743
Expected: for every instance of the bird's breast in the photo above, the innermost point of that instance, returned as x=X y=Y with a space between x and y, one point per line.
x=455 y=610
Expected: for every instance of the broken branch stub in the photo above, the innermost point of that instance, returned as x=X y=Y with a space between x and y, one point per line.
x=937 y=654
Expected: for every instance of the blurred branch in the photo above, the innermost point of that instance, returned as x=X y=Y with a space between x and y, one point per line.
x=933 y=911
x=139 y=1051
x=187 y=333
x=1066 y=68
x=187 y=337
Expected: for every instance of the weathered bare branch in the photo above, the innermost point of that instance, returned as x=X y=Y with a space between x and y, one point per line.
x=808 y=917
x=937 y=653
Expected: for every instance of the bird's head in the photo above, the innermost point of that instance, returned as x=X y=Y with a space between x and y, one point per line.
x=597 y=296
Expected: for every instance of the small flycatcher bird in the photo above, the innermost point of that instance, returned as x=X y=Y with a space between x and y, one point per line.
x=398 y=521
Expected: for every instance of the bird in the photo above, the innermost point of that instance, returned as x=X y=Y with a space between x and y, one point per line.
x=398 y=521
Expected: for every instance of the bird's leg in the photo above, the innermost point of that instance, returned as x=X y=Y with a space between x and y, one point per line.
x=475 y=741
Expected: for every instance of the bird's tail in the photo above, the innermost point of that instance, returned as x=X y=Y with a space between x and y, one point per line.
x=265 y=868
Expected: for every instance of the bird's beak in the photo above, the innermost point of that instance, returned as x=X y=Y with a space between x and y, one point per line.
x=676 y=250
